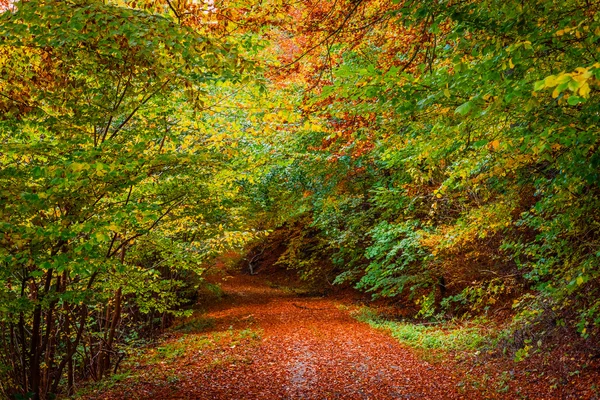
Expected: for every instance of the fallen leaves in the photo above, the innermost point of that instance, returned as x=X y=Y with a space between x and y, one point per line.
x=266 y=343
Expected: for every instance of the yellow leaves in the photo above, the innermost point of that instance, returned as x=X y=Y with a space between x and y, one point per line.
x=563 y=78
x=310 y=126
x=100 y=236
x=575 y=30
x=584 y=90
x=218 y=139
x=550 y=81
x=77 y=167
x=578 y=82
x=100 y=170
x=479 y=223
x=525 y=44
x=286 y=115
x=583 y=72
x=283 y=114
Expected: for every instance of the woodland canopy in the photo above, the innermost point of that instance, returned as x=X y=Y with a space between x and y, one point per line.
x=442 y=152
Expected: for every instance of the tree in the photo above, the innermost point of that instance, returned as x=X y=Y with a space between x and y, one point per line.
x=463 y=160
x=100 y=154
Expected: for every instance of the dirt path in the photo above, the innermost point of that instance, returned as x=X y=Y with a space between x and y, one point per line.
x=264 y=343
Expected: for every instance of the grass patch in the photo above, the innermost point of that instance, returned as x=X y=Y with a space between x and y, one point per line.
x=105 y=384
x=448 y=337
x=248 y=333
x=171 y=351
x=195 y=325
x=194 y=343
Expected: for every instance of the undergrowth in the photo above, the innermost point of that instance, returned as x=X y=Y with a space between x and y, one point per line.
x=195 y=325
x=196 y=339
x=448 y=336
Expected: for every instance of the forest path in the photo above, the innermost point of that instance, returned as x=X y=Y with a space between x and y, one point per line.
x=262 y=342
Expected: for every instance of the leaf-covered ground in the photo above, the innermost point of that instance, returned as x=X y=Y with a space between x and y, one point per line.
x=264 y=342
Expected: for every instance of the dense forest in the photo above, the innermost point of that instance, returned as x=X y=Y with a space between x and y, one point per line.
x=440 y=155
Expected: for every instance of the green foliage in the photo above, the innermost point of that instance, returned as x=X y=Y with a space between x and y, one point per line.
x=107 y=181
x=466 y=158
x=480 y=297
x=397 y=260
x=443 y=337
x=461 y=162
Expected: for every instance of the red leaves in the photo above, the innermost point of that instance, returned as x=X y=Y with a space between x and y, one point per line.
x=269 y=344
x=307 y=348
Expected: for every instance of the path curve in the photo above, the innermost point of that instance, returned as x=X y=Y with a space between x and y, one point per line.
x=309 y=348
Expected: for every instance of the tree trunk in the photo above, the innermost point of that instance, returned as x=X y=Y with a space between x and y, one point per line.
x=113 y=328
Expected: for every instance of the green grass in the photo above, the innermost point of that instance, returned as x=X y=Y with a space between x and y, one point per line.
x=448 y=337
x=195 y=324
x=170 y=351
x=105 y=384
x=193 y=343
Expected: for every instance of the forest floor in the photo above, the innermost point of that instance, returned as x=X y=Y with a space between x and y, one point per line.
x=264 y=341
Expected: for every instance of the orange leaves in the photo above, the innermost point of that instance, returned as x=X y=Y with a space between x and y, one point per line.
x=266 y=344
x=350 y=137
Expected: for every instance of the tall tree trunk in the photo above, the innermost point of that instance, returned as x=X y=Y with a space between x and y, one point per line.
x=34 y=351
x=113 y=327
x=67 y=336
x=71 y=348
x=47 y=345
x=37 y=349
x=49 y=341
x=23 y=355
x=116 y=317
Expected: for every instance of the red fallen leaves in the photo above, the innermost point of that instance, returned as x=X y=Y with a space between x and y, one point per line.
x=307 y=349
x=268 y=344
